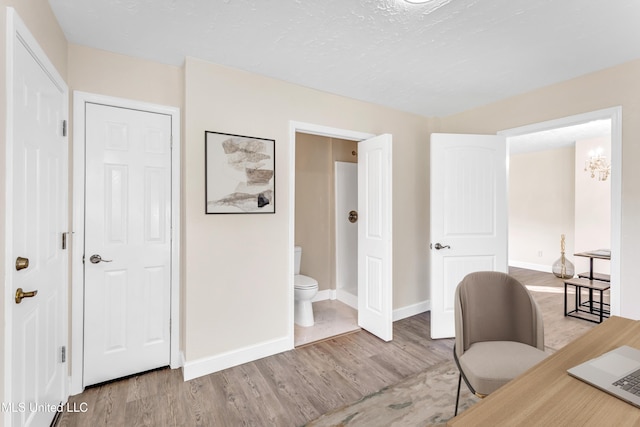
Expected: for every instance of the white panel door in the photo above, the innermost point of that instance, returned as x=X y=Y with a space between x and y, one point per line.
x=39 y=218
x=468 y=217
x=375 y=255
x=127 y=242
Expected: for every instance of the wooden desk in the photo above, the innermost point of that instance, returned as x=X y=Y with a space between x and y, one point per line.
x=546 y=395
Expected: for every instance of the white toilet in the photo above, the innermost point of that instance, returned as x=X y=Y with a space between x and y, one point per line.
x=305 y=288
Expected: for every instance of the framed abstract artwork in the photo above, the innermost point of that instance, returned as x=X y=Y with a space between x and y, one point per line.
x=239 y=174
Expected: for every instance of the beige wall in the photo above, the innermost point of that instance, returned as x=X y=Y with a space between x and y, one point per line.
x=315 y=203
x=541 y=206
x=237 y=265
x=39 y=18
x=616 y=86
x=105 y=73
x=592 y=206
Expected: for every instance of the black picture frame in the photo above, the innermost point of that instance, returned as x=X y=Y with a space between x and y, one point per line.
x=239 y=174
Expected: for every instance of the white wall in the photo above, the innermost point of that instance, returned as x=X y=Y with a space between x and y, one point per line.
x=550 y=194
x=541 y=207
x=592 y=207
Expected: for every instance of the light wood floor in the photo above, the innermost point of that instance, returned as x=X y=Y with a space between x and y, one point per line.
x=295 y=387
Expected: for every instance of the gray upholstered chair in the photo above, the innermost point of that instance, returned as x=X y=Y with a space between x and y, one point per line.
x=499 y=331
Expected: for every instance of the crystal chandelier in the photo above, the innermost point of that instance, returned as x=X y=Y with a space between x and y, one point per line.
x=597 y=165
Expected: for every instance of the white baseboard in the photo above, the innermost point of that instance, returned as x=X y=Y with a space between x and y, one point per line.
x=208 y=365
x=347 y=298
x=352 y=301
x=324 y=295
x=411 y=310
x=530 y=266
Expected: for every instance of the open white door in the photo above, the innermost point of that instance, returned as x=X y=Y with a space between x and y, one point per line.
x=375 y=288
x=468 y=217
x=37 y=220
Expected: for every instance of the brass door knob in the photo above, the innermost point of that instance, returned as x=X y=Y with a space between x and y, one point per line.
x=21 y=294
x=21 y=263
x=353 y=216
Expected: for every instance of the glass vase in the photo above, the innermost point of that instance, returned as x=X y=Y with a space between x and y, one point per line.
x=563 y=268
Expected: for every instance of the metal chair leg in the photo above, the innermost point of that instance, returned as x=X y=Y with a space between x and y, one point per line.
x=458 y=395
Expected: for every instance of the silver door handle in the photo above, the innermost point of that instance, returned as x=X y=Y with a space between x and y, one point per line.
x=97 y=258
x=438 y=246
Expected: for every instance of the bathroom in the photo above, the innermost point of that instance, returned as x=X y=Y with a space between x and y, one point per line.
x=322 y=229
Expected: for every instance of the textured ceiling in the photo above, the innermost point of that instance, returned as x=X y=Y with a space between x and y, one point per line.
x=433 y=59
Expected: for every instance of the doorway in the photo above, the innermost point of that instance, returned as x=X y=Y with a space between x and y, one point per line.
x=326 y=184
x=375 y=230
x=160 y=206
x=614 y=117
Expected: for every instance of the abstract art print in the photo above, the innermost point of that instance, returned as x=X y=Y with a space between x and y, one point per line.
x=239 y=174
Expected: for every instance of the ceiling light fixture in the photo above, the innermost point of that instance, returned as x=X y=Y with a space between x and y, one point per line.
x=597 y=165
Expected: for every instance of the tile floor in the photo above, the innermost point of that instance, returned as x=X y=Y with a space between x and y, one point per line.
x=331 y=317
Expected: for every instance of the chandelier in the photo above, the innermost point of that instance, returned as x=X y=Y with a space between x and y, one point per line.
x=597 y=165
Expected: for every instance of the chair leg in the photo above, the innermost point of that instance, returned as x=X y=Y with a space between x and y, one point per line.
x=458 y=395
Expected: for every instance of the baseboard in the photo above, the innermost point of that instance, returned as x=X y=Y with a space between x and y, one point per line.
x=324 y=295
x=530 y=266
x=208 y=365
x=347 y=298
x=411 y=310
x=352 y=301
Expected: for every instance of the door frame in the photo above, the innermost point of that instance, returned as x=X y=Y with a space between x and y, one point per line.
x=312 y=129
x=16 y=28
x=77 y=268
x=615 y=115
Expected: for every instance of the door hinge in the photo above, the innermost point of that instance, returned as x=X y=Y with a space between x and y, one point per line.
x=64 y=238
x=63 y=354
x=171 y=142
x=64 y=128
